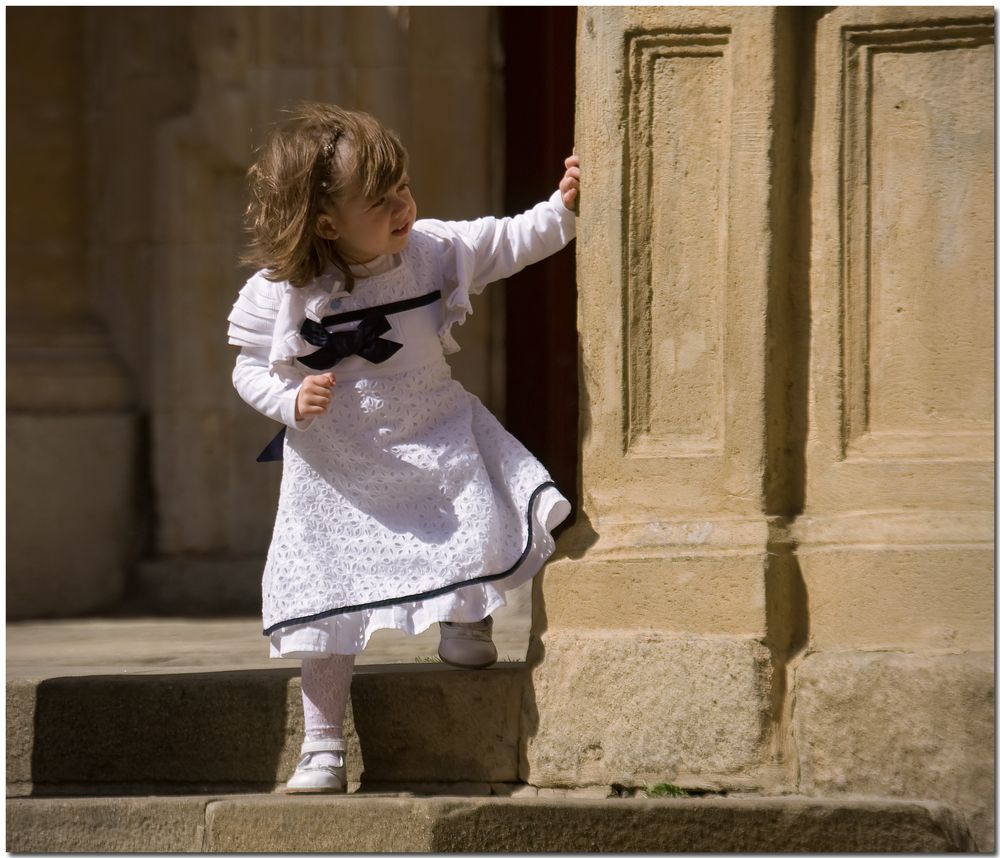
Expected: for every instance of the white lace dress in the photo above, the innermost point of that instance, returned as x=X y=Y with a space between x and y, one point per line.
x=406 y=503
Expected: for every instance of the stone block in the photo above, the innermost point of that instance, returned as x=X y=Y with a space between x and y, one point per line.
x=911 y=596
x=426 y=723
x=106 y=824
x=71 y=519
x=764 y=825
x=169 y=730
x=642 y=707
x=20 y=735
x=706 y=593
x=465 y=789
x=896 y=724
x=275 y=824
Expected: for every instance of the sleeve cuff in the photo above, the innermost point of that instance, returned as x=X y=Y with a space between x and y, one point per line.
x=288 y=412
x=557 y=200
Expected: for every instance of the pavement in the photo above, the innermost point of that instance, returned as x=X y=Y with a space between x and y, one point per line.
x=45 y=649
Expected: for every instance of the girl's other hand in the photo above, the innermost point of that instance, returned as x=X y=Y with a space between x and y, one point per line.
x=314 y=395
x=570 y=184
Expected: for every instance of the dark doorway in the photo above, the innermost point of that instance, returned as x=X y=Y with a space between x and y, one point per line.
x=542 y=393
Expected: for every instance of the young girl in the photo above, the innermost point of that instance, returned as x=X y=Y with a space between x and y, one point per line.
x=403 y=501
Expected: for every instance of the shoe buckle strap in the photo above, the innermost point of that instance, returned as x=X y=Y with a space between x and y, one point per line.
x=315 y=745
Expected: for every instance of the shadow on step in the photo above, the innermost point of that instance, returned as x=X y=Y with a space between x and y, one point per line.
x=179 y=732
x=240 y=731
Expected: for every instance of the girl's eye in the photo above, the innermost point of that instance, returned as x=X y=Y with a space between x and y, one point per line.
x=378 y=202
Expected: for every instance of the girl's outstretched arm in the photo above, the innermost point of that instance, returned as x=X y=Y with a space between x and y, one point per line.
x=488 y=249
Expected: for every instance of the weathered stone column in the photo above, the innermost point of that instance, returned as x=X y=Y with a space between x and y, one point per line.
x=661 y=631
x=895 y=693
x=71 y=498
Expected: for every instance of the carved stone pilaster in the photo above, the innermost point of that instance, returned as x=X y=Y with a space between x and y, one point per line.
x=674 y=562
x=896 y=542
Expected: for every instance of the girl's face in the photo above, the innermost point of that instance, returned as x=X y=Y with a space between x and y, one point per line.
x=363 y=229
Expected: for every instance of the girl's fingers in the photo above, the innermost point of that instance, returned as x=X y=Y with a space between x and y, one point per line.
x=314 y=407
x=572 y=161
x=320 y=382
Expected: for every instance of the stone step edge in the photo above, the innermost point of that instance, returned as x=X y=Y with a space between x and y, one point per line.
x=568 y=823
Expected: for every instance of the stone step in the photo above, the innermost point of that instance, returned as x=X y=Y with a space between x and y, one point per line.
x=403 y=823
x=241 y=730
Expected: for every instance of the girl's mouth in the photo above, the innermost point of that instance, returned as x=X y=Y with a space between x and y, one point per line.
x=405 y=228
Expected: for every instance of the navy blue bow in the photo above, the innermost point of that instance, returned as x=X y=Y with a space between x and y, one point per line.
x=365 y=341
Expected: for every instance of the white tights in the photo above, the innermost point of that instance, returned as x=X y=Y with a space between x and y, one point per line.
x=326 y=685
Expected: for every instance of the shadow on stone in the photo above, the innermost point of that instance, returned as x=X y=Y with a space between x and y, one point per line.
x=433 y=724
x=181 y=732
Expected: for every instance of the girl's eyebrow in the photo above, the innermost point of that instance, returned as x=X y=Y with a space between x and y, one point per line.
x=403 y=180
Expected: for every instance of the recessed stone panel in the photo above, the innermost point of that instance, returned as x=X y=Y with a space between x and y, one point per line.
x=677 y=138
x=901 y=274
x=918 y=208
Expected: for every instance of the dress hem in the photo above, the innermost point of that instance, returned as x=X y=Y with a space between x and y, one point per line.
x=462 y=601
x=429 y=594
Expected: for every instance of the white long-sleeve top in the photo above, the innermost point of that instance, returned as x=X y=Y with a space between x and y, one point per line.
x=267 y=317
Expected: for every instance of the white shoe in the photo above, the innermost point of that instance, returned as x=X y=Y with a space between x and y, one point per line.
x=468 y=644
x=310 y=777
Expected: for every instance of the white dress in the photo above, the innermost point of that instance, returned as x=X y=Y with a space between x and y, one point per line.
x=406 y=503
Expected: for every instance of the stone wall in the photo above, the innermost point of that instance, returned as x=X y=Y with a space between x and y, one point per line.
x=781 y=579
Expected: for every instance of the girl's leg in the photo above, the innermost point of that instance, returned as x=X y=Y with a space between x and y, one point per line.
x=326 y=685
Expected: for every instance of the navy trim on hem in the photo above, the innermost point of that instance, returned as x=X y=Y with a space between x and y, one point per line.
x=440 y=591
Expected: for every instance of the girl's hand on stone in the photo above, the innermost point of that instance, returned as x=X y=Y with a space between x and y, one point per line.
x=314 y=395
x=570 y=184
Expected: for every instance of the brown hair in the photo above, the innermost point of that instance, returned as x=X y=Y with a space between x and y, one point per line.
x=305 y=166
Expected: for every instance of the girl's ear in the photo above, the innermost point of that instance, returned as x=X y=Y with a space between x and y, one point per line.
x=325 y=227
